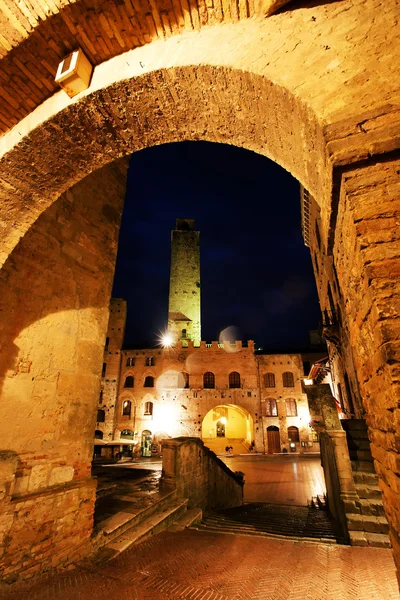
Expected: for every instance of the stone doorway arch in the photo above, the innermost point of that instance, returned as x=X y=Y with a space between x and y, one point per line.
x=228 y=425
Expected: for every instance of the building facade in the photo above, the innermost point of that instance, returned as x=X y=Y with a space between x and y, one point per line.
x=335 y=330
x=225 y=393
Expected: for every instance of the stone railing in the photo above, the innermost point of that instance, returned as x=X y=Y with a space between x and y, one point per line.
x=198 y=475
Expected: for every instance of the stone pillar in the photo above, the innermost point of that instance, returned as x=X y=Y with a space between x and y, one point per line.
x=54 y=294
x=366 y=256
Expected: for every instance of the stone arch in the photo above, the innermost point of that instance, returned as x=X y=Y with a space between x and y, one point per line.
x=101 y=33
x=260 y=96
x=287 y=122
x=240 y=430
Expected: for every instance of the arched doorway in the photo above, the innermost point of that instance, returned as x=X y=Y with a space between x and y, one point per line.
x=273 y=439
x=146 y=443
x=228 y=425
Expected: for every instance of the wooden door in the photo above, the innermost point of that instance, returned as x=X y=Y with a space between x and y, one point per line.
x=273 y=439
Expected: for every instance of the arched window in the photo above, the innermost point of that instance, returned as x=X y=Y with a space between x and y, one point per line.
x=288 y=379
x=148 y=408
x=149 y=381
x=209 y=380
x=291 y=407
x=98 y=435
x=130 y=362
x=183 y=335
x=150 y=361
x=101 y=416
x=126 y=434
x=269 y=380
x=234 y=380
x=129 y=381
x=293 y=434
x=126 y=408
x=271 y=409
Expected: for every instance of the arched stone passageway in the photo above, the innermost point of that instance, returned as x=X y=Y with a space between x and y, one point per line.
x=252 y=84
x=227 y=424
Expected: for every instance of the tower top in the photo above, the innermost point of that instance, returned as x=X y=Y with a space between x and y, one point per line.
x=185 y=225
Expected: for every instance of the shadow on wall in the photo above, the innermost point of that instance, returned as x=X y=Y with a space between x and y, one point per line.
x=54 y=295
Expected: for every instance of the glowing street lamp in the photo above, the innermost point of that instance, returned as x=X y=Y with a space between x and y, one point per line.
x=166 y=340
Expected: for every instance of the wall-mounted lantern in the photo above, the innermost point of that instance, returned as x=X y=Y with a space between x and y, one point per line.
x=74 y=73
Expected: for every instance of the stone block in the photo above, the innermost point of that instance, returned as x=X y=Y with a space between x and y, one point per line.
x=39 y=477
x=60 y=475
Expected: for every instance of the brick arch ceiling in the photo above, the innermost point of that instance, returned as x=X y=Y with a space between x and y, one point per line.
x=35 y=36
x=248 y=84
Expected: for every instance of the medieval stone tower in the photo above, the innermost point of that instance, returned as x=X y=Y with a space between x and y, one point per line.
x=184 y=285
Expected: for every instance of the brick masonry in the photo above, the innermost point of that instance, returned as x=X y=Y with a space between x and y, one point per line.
x=314 y=88
x=52 y=341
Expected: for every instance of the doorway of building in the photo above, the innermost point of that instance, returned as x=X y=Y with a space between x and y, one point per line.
x=220 y=428
x=273 y=439
x=230 y=425
x=146 y=443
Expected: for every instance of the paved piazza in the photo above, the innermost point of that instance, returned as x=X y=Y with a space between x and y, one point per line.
x=200 y=565
x=192 y=565
x=279 y=479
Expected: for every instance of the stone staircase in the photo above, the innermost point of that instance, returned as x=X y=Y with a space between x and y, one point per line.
x=272 y=520
x=366 y=519
x=133 y=511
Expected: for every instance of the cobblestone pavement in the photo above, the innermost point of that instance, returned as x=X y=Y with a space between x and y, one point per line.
x=192 y=565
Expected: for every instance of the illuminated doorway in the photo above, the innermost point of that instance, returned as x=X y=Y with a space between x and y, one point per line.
x=220 y=428
x=146 y=443
x=230 y=425
x=273 y=439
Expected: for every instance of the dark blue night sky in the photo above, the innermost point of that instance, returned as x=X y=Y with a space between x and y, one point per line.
x=256 y=272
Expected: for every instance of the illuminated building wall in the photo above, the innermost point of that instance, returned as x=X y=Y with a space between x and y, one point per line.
x=333 y=307
x=164 y=391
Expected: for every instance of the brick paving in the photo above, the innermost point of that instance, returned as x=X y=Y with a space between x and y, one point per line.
x=191 y=565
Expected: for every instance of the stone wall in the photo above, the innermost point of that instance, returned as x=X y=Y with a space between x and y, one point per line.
x=54 y=296
x=366 y=254
x=198 y=475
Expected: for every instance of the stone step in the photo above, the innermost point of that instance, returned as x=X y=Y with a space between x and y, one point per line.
x=371 y=492
x=375 y=540
x=191 y=517
x=371 y=506
x=365 y=466
x=366 y=479
x=136 y=509
x=367 y=523
x=254 y=531
x=360 y=455
x=353 y=425
x=287 y=521
x=357 y=444
x=153 y=524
